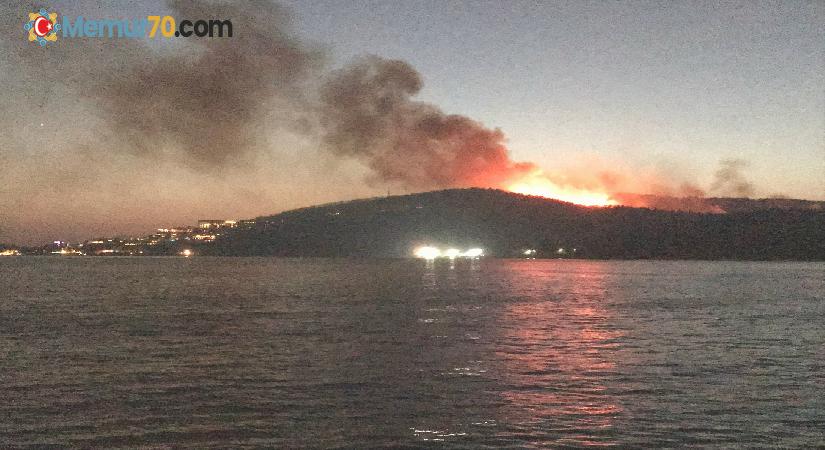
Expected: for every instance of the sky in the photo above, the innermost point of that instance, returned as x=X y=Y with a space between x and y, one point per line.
x=118 y=137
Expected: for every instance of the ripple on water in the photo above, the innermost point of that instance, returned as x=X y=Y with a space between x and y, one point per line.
x=213 y=352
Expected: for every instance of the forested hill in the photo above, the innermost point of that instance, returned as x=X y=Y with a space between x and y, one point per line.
x=505 y=224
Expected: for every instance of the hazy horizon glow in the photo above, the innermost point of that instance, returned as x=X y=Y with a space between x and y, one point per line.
x=110 y=138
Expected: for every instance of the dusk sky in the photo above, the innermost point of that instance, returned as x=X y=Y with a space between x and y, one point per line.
x=115 y=136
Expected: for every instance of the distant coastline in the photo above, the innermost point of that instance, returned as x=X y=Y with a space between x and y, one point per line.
x=504 y=224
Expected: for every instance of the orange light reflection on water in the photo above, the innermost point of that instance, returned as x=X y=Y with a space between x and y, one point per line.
x=558 y=349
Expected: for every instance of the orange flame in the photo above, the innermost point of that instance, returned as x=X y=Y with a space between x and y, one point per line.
x=538 y=184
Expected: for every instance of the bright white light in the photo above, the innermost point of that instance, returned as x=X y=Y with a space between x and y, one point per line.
x=452 y=253
x=427 y=252
x=530 y=251
x=187 y=253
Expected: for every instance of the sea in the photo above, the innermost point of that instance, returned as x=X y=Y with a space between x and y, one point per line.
x=403 y=353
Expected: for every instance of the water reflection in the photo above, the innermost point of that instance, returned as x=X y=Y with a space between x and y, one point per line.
x=450 y=274
x=293 y=353
x=557 y=349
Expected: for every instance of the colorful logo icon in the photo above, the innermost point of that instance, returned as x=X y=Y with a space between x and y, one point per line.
x=42 y=27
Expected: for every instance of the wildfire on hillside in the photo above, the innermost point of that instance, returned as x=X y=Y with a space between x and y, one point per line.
x=538 y=184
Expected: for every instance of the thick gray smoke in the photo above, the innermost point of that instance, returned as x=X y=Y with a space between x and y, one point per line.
x=202 y=102
x=179 y=127
x=211 y=103
x=368 y=112
x=730 y=181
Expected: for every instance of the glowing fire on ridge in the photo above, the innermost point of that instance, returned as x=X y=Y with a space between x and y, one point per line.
x=537 y=184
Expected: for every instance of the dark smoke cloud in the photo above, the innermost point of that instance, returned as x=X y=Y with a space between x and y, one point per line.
x=729 y=179
x=203 y=102
x=87 y=123
x=208 y=105
x=368 y=112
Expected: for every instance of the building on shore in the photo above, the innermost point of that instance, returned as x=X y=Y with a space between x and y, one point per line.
x=211 y=224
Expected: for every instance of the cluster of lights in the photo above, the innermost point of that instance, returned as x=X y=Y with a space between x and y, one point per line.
x=67 y=251
x=427 y=252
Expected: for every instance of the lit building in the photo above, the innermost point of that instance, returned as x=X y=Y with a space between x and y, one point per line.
x=207 y=224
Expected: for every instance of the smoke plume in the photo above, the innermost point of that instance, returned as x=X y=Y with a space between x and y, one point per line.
x=180 y=127
x=211 y=106
x=203 y=102
x=729 y=179
x=368 y=112
x=210 y=103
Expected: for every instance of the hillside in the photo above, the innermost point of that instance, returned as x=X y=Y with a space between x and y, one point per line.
x=505 y=224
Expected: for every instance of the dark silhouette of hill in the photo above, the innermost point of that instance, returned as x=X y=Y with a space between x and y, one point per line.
x=505 y=224
x=714 y=204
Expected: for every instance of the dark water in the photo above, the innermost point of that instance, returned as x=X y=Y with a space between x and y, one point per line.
x=373 y=353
